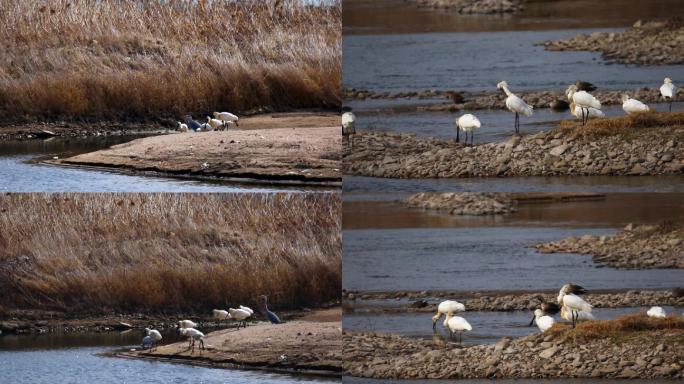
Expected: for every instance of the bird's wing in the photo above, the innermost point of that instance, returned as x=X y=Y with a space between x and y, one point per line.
x=576 y=289
x=545 y=322
x=666 y=90
x=586 y=99
x=516 y=104
x=576 y=302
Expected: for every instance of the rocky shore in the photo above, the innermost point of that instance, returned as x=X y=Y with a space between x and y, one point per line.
x=588 y=352
x=636 y=246
x=647 y=151
x=466 y=203
x=645 y=43
x=64 y=130
x=482 y=7
x=519 y=301
x=496 y=100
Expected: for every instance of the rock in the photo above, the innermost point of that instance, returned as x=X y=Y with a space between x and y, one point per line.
x=559 y=150
x=548 y=353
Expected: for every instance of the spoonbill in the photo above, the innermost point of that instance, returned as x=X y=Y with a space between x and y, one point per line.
x=657 y=312
x=515 y=104
x=630 y=105
x=227 y=117
x=187 y=324
x=219 y=315
x=583 y=100
x=215 y=123
x=349 y=127
x=544 y=321
x=154 y=335
x=456 y=324
x=182 y=127
x=446 y=307
x=668 y=91
x=248 y=309
x=573 y=307
x=590 y=112
x=193 y=335
x=467 y=123
x=272 y=317
x=240 y=315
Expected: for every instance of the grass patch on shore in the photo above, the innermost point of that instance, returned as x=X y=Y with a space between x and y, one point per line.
x=628 y=127
x=141 y=60
x=620 y=329
x=167 y=253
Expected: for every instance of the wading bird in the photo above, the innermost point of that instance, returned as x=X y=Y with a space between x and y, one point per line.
x=215 y=123
x=456 y=324
x=219 y=315
x=187 y=324
x=657 y=312
x=248 y=309
x=193 y=335
x=515 y=104
x=272 y=317
x=349 y=127
x=182 y=127
x=146 y=342
x=582 y=100
x=155 y=336
x=630 y=105
x=240 y=315
x=573 y=307
x=668 y=91
x=589 y=112
x=467 y=123
x=192 y=124
x=445 y=307
x=227 y=117
x=543 y=320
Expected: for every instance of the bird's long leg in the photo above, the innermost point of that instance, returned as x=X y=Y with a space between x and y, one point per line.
x=458 y=136
x=670 y=104
x=517 y=123
x=460 y=338
x=472 y=138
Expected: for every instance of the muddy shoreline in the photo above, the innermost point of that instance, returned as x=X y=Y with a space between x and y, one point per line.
x=473 y=7
x=506 y=301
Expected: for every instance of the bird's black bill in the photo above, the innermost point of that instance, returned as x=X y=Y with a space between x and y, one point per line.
x=532 y=322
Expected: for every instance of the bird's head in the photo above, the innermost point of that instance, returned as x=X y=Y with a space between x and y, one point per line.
x=216 y=115
x=668 y=80
x=570 y=91
x=625 y=97
x=537 y=314
x=208 y=119
x=502 y=86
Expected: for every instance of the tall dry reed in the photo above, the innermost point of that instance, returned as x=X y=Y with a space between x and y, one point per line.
x=166 y=253
x=139 y=60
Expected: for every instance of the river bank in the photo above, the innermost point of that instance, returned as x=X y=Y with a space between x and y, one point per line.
x=631 y=346
x=311 y=344
x=478 y=7
x=636 y=246
x=623 y=146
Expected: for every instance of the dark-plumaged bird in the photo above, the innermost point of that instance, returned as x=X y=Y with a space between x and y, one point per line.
x=272 y=317
x=585 y=86
x=454 y=96
x=192 y=124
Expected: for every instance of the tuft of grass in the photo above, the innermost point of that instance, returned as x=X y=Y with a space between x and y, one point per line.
x=168 y=253
x=620 y=328
x=139 y=60
x=623 y=126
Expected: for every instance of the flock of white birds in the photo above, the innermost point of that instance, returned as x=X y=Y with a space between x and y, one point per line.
x=571 y=306
x=220 y=121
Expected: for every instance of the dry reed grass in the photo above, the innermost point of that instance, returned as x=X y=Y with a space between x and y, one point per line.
x=137 y=60
x=629 y=125
x=167 y=253
x=620 y=328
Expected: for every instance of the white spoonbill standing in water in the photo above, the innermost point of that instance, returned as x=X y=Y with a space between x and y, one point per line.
x=467 y=123
x=456 y=324
x=668 y=91
x=445 y=307
x=515 y=104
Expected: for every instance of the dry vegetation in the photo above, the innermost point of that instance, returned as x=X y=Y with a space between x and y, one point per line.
x=137 y=60
x=619 y=329
x=628 y=126
x=167 y=253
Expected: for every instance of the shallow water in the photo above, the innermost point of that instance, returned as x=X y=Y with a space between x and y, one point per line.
x=497 y=125
x=20 y=172
x=55 y=358
x=498 y=258
x=478 y=61
x=488 y=327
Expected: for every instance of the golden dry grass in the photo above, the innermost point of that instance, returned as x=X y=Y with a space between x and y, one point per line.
x=625 y=125
x=138 y=60
x=167 y=253
x=620 y=328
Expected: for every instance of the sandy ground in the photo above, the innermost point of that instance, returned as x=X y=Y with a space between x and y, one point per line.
x=310 y=344
x=291 y=147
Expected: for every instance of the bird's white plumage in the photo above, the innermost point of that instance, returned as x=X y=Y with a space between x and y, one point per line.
x=215 y=123
x=657 y=312
x=575 y=303
x=348 y=123
x=225 y=116
x=182 y=127
x=452 y=306
x=153 y=333
x=468 y=122
x=630 y=105
x=248 y=309
x=220 y=314
x=238 y=314
x=593 y=112
x=191 y=332
x=584 y=99
x=187 y=324
x=457 y=324
x=544 y=322
x=518 y=105
x=566 y=314
x=667 y=90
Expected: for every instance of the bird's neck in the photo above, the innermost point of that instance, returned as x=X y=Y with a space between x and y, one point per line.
x=506 y=91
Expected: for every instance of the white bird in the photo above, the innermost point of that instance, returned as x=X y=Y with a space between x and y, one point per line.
x=227 y=117
x=584 y=100
x=573 y=307
x=445 y=307
x=194 y=335
x=240 y=315
x=215 y=123
x=205 y=127
x=657 y=312
x=467 y=123
x=544 y=321
x=187 y=324
x=668 y=91
x=248 y=309
x=515 y=104
x=630 y=105
x=456 y=324
x=220 y=314
x=154 y=335
x=348 y=126
x=576 y=111
x=182 y=127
